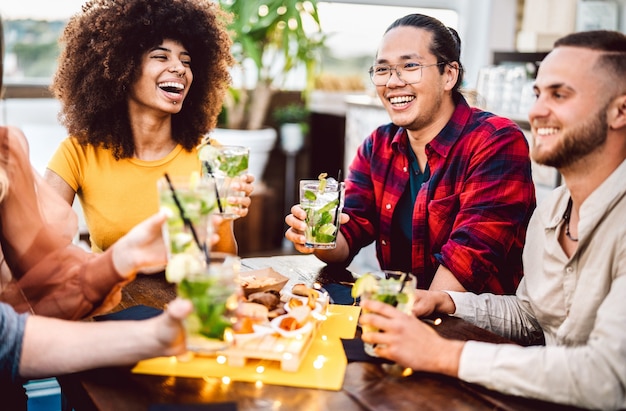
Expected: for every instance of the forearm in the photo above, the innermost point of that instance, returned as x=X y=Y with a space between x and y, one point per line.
x=444 y=279
x=504 y=315
x=447 y=359
x=76 y=283
x=54 y=347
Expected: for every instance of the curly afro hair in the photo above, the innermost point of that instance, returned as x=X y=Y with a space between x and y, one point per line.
x=103 y=46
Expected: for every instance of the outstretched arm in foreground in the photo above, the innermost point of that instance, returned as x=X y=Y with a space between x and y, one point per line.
x=54 y=347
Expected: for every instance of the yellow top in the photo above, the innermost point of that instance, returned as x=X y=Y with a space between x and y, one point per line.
x=116 y=195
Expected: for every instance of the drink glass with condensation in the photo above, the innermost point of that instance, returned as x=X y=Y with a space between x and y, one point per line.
x=390 y=290
x=214 y=290
x=196 y=197
x=226 y=165
x=323 y=208
x=208 y=280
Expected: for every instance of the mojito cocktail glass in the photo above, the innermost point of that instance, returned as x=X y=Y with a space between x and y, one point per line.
x=214 y=289
x=395 y=288
x=193 y=200
x=225 y=164
x=322 y=200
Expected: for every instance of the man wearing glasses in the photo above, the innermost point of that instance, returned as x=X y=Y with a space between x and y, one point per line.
x=445 y=190
x=573 y=290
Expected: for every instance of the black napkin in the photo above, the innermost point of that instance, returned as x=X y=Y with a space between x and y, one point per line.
x=356 y=352
x=339 y=294
x=137 y=312
x=214 y=406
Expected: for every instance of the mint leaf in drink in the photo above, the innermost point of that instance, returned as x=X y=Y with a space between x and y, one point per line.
x=233 y=164
x=310 y=195
x=329 y=206
x=210 y=317
x=390 y=299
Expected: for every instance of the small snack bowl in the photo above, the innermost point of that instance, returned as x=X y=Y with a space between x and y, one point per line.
x=261 y=280
x=302 y=330
x=301 y=302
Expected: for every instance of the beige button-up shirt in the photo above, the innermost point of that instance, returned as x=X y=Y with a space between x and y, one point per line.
x=579 y=303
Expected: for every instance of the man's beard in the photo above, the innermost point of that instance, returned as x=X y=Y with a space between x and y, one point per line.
x=576 y=143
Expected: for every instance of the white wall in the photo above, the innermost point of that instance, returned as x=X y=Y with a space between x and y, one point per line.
x=37 y=118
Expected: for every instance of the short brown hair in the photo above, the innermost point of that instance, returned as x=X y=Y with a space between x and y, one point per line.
x=612 y=44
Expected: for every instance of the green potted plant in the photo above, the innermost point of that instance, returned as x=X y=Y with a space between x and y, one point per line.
x=271 y=35
x=269 y=41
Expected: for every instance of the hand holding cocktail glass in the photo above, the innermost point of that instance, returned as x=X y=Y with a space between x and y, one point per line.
x=227 y=166
x=208 y=280
x=314 y=222
x=394 y=288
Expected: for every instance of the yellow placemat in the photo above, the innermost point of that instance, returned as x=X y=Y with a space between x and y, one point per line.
x=323 y=367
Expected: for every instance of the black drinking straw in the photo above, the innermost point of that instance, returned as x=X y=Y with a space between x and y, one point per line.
x=405 y=277
x=338 y=198
x=217 y=192
x=186 y=219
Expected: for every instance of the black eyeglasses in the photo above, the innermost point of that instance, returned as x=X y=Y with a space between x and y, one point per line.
x=409 y=72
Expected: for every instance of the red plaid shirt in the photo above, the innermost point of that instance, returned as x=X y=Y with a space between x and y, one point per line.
x=470 y=216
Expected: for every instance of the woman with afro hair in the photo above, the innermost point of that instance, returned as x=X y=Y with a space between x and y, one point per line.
x=140 y=83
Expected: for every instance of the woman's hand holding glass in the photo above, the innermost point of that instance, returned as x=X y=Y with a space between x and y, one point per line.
x=246 y=186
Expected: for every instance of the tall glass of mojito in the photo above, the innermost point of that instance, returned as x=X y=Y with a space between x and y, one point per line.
x=225 y=164
x=213 y=288
x=322 y=200
x=209 y=280
x=193 y=200
x=393 y=287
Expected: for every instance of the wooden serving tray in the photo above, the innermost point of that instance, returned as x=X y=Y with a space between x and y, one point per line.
x=289 y=351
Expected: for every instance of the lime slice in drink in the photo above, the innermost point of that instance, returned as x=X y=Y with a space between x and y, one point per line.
x=402 y=298
x=322 y=184
x=208 y=153
x=327 y=229
x=180 y=266
x=367 y=283
x=324 y=238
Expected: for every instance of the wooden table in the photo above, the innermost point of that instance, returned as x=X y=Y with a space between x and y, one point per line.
x=366 y=385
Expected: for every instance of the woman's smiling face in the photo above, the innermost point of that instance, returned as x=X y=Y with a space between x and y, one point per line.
x=165 y=78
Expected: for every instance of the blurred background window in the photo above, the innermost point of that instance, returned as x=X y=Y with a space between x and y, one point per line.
x=353 y=34
x=32 y=29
